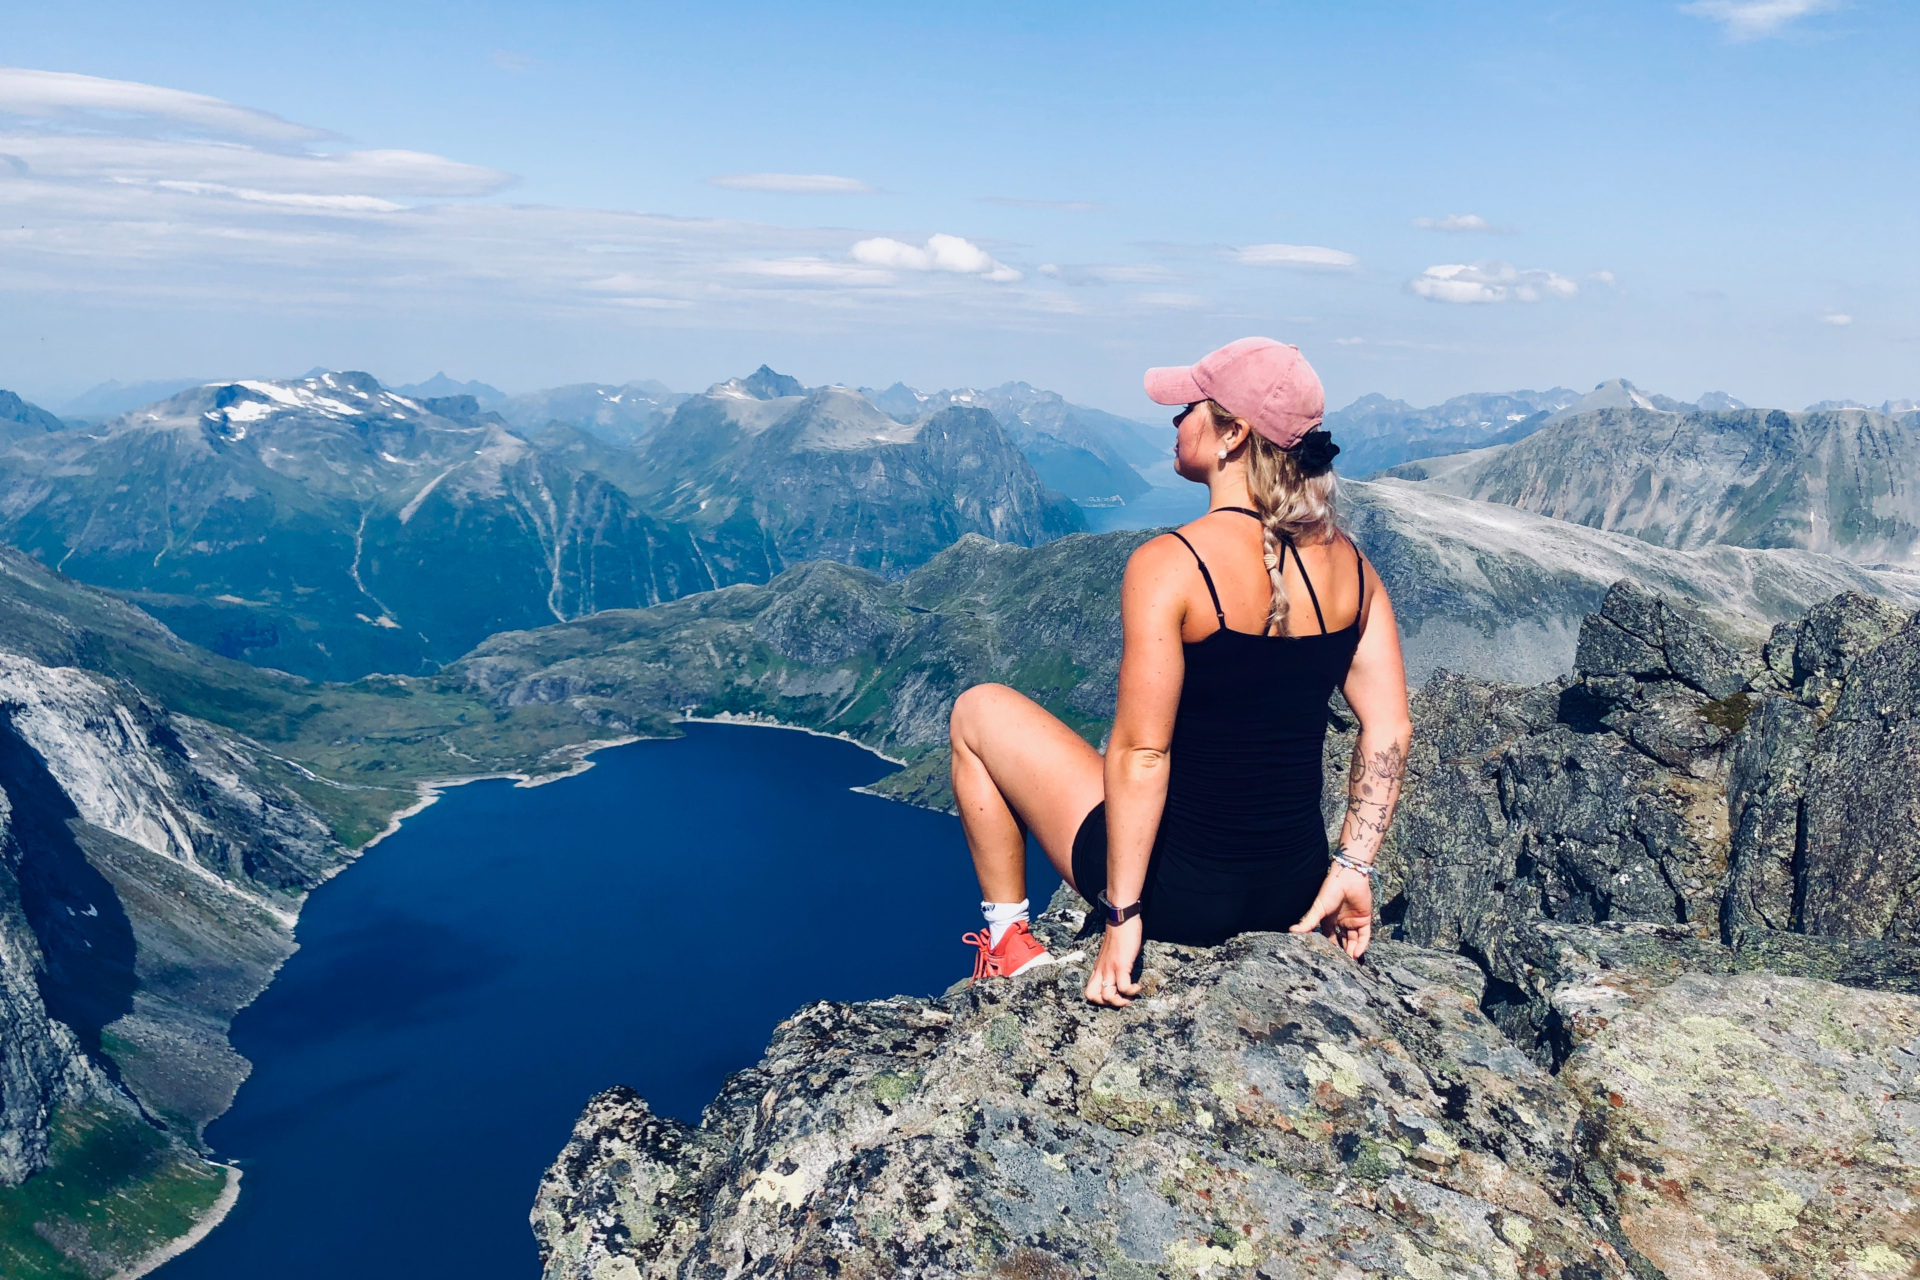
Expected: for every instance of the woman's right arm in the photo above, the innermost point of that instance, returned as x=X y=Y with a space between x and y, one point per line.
x=1152 y=667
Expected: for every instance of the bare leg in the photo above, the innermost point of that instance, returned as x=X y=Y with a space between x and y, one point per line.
x=1017 y=768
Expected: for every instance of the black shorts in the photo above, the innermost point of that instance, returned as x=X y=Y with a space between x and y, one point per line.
x=1199 y=901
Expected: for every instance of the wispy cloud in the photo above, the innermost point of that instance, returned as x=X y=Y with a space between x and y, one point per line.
x=118 y=104
x=87 y=156
x=114 y=193
x=1745 y=20
x=816 y=269
x=797 y=184
x=1106 y=273
x=1490 y=282
x=1838 y=319
x=940 y=253
x=1293 y=255
x=1462 y=222
x=1171 y=301
x=1058 y=206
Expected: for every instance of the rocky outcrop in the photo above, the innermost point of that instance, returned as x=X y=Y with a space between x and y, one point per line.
x=1271 y=1109
x=1267 y=1108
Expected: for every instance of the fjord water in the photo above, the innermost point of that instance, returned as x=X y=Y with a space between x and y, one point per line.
x=462 y=991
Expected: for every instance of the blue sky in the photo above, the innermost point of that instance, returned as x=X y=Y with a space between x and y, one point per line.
x=1428 y=198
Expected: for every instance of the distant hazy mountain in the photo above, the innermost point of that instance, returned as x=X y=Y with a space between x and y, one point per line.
x=1500 y=593
x=111 y=398
x=1888 y=407
x=827 y=475
x=330 y=527
x=22 y=418
x=1087 y=454
x=1845 y=482
x=440 y=386
x=621 y=414
x=1376 y=433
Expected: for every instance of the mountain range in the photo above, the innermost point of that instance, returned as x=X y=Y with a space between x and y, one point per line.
x=1845 y=482
x=1091 y=456
x=1376 y=433
x=330 y=527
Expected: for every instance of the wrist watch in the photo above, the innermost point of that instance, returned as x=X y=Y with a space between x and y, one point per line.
x=1117 y=916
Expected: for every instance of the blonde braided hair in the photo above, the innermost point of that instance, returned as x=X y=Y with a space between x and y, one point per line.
x=1293 y=502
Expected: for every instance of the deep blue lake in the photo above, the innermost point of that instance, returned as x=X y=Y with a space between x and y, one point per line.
x=462 y=990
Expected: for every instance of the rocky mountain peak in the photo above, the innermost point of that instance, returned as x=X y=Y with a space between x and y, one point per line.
x=764 y=384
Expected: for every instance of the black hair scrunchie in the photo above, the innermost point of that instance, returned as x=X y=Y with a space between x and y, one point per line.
x=1315 y=451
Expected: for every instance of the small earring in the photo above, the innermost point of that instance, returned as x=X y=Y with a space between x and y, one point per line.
x=1222 y=455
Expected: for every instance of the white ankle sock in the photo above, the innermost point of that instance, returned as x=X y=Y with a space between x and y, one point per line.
x=1002 y=916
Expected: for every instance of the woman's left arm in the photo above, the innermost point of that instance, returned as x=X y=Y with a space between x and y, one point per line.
x=1376 y=689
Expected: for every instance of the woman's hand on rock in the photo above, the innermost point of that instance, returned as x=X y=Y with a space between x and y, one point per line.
x=1111 y=982
x=1343 y=910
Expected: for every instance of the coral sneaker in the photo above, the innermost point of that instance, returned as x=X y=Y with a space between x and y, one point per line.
x=1018 y=952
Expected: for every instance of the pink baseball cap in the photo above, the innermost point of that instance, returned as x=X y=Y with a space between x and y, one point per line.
x=1268 y=383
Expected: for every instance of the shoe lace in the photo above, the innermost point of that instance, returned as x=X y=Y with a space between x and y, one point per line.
x=986 y=964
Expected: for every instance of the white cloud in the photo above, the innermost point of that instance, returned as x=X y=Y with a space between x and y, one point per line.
x=1293 y=255
x=941 y=253
x=1746 y=20
x=1455 y=222
x=1490 y=282
x=1838 y=319
x=804 y=184
x=1601 y=277
x=55 y=95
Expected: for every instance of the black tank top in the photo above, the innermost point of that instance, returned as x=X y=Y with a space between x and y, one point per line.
x=1246 y=772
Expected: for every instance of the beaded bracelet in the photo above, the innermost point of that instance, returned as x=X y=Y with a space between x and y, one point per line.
x=1342 y=859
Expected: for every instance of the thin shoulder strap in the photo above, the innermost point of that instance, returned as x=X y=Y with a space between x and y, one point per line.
x=1286 y=544
x=1218 y=612
x=1360 y=571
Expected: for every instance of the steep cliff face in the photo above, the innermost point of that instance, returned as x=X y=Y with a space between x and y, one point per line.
x=155 y=872
x=150 y=867
x=1618 y=1028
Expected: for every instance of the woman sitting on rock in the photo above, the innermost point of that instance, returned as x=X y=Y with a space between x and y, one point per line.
x=1203 y=820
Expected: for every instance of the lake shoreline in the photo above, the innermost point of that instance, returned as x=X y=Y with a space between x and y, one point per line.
x=428 y=794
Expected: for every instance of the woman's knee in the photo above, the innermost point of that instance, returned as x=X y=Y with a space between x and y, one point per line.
x=971 y=709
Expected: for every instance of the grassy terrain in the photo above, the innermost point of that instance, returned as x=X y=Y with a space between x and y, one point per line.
x=116 y=1190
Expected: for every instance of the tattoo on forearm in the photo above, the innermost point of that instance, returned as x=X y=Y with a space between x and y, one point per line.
x=1373 y=790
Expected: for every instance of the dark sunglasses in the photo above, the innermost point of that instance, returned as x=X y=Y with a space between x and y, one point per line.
x=1181 y=416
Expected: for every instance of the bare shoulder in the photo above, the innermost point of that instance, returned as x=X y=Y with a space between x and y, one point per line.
x=1156 y=555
